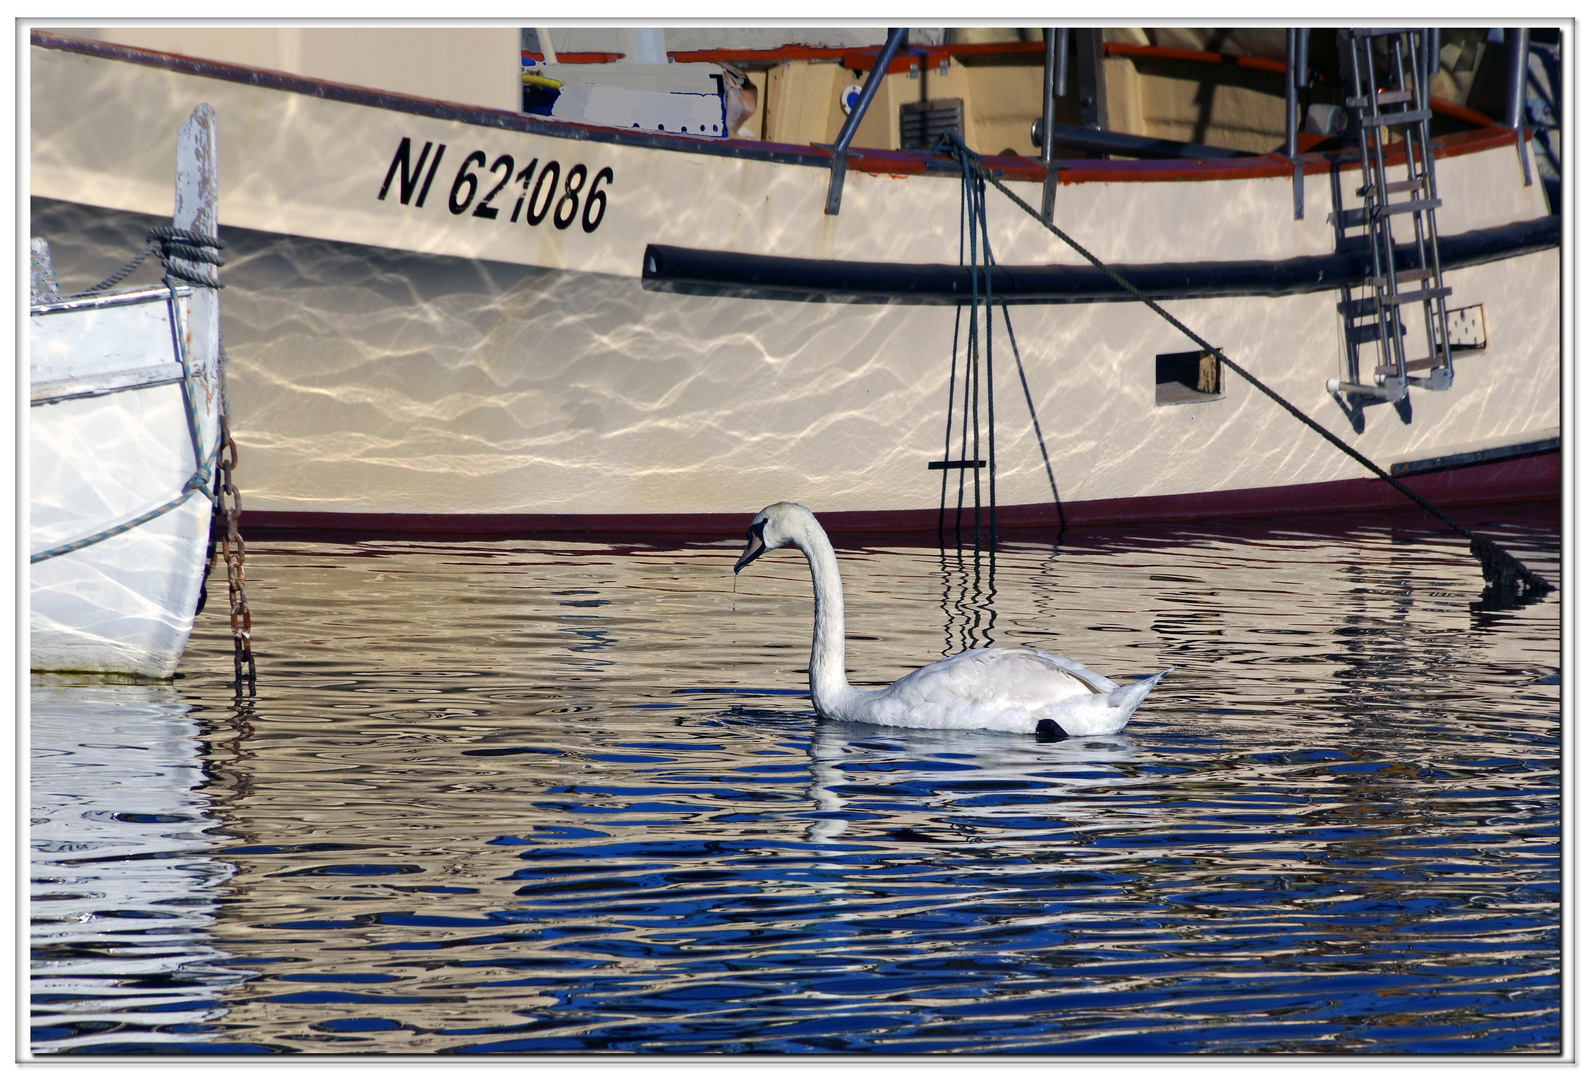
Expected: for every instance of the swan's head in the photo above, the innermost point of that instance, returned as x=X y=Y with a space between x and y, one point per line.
x=777 y=525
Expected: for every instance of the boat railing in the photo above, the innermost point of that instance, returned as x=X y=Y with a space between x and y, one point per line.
x=141 y=294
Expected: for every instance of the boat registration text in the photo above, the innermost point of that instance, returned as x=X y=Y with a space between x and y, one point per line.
x=540 y=192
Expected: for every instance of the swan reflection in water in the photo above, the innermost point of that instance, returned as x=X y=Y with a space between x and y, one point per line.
x=952 y=785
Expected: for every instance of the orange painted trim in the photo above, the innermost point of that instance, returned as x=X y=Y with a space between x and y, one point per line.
x=862 y=59
x=859 y=59
x=1462 y=112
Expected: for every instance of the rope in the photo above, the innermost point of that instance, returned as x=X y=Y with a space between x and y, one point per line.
x=198 y=482
x=981 y=265
x=978 y=193
x=1503 y=574
x=186 y=253
x=171 y=243
x=117 y=277
x=186 y=245
x=1035 y=422
x=952 y=385
x=972 y=378
x=952 y=378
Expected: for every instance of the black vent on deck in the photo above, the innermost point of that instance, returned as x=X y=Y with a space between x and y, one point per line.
x=921 y=123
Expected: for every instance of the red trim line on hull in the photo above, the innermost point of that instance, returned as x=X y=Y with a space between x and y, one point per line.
x=1537 y=477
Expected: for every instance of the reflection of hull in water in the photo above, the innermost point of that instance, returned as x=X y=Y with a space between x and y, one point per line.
x=123 y=895
x=404 y=368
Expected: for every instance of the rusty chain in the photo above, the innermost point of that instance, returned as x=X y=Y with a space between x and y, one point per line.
x=232 y=550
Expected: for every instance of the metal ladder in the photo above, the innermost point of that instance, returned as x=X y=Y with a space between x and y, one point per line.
x=1398 y=104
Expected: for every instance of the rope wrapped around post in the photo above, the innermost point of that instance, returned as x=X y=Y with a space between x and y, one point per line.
x=171 y=243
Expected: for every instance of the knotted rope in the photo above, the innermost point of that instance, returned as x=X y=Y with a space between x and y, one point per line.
x=174 y=246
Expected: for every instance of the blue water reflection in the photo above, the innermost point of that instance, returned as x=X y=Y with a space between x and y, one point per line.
x=525 y=797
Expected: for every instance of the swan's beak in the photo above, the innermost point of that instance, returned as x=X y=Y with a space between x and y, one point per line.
x=755 y=546
x=754 y=549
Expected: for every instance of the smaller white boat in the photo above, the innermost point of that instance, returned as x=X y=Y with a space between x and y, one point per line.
x=124 y=434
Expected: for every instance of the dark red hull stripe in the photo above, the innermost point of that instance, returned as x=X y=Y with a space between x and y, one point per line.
x=1536 y=477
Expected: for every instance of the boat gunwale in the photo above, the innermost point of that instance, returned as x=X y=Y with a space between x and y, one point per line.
x=897 y=163
x=122 y=298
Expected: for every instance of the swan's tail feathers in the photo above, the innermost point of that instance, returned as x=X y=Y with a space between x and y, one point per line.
x=1130 y=695
x=1096 y=714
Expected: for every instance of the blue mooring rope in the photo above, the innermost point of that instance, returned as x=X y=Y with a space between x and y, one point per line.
x=981 y=265
x=1504 y=575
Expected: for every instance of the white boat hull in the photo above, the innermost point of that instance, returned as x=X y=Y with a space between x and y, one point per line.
x=125 y=603
x=397 y=361
x=124 y=430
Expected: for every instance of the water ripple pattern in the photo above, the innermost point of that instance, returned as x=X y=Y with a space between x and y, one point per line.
x=536 y=797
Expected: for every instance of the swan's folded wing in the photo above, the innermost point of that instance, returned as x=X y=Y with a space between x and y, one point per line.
x=1020 y=676
x=1020 y=659
x=1099 y=683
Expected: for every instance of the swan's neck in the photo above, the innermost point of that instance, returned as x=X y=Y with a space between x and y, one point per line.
x=827 y=671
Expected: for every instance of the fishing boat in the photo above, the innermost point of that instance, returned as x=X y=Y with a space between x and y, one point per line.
x=514 y=282
x=123 y=434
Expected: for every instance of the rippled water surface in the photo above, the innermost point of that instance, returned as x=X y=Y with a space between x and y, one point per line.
x=564 y=797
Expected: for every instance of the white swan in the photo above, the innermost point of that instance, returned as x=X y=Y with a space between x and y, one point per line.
x=1011 y=688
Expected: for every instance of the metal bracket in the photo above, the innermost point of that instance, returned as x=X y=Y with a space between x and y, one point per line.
x=1054 y=77
x=833 y=195
x=1385 y=392
x=1296 y=77
x=1093 y=106
x=1517 y=43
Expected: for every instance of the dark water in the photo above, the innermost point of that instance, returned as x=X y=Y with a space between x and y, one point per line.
x=559 y=797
